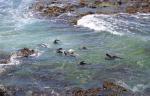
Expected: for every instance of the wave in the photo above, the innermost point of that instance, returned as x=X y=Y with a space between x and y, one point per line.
x=16 y=12
x=97 y=23
x=136 y=88
x=12 y=60
x=118 y=24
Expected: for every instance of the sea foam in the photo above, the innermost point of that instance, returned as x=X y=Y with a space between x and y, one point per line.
x=97 y=23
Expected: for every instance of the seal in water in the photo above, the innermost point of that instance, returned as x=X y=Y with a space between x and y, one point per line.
x=82 y=63
x=72 y=53
x=112 y=57
x=83 y=48
x=56 y=41
x=60 y=50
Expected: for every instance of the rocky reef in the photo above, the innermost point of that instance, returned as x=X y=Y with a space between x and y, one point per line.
x=4 y=58
x=108 y=89
x=72 y=10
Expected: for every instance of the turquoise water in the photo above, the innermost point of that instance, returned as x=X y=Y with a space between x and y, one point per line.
x=18 y=29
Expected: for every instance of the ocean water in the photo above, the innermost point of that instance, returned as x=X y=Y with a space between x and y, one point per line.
x=124 y=35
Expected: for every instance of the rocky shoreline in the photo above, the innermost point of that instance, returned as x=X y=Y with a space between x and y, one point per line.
x=71 y=11
x=108 y=89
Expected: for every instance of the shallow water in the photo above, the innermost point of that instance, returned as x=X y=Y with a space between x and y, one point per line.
x=18 y=29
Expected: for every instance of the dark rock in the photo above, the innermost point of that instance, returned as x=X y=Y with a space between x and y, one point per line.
x=107 y=85
x=83 y=3
x=3 y=92
x=5 y=58
x=113 y=89
x=88 y=92
x=58 y=7
x=52 y=11
x=25 y=52
x=108 y=89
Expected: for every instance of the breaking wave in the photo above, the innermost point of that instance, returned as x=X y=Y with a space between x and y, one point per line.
x=118 y=24
x=97 y=23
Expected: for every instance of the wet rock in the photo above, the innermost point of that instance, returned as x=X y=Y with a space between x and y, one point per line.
x=142 y=7
x=25 y=52
x=6 y=91
x=113 y=89
x=55 y=8
x=108 y=89
x=88 y=92
x=52 y=10
x=5 y=58
x=3 y=92
x=82 y=3
x=107 y=85
x=131 y=9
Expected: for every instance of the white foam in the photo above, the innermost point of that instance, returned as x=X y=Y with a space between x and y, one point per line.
x=136 y=88
x=13 y=61
x=139 y=88
x=37 y=54
x=97 y=23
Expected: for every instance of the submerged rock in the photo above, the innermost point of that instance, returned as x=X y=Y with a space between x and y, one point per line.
x=5 y=58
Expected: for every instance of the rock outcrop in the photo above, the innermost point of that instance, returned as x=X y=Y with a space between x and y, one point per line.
x=4 y=58
x=108 y=89
x=25 y=52
x=80 y=8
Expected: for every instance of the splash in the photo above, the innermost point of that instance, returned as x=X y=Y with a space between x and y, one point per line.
x=17 y=12
x=97 y=23
x=118 y=24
